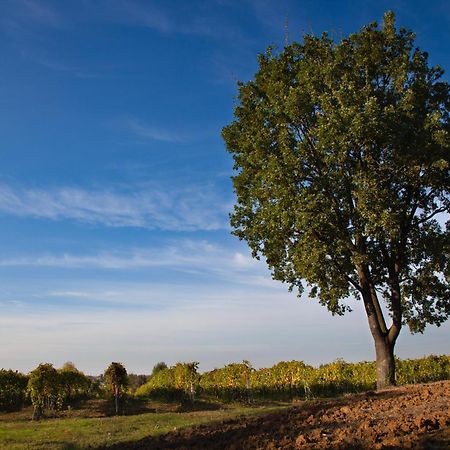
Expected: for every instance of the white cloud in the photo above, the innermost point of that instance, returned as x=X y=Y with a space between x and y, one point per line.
x=211 y=328
x=199 y=258
x=188 y=209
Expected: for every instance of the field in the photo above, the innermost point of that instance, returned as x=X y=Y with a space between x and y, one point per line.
x=92 y=425
x=407 y=417
x=415 y=416
x=289 y=405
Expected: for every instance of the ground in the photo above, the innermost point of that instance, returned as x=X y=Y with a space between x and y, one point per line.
x=408 y=417
x=415 y=416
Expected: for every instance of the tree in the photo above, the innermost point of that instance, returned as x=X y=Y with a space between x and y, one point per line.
x=73 y=383
x=342 y=154
x=158 y=367
x=13 y=387
x=187 y=378
x=116 y=381
x=44 y=389
x=136 y=381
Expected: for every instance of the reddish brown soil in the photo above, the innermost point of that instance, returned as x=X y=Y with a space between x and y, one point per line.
x=407 y=417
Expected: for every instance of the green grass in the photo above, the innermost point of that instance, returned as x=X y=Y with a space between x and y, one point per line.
x=79 y=433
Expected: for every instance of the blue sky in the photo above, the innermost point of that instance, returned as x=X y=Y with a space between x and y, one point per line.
x=115 y=184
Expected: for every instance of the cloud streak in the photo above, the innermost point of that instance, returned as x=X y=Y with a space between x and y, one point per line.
x=189 y=209
x=147 y=131
x=32 y=11
x=204 y=19
x=198 y=258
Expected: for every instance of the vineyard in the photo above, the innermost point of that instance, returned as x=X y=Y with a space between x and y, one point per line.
x=285 y=380
x=47 y=388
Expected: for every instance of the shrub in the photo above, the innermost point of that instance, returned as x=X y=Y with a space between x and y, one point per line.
x=13 y=389
x=177 y=383
x=73 y=384
x=44 y=389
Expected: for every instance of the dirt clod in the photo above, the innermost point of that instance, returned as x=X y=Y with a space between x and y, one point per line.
x=413 y=417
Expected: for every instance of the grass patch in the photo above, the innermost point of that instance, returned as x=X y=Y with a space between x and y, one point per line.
x=84 y=432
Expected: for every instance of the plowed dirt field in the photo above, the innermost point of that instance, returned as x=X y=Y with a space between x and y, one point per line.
x=406 y=417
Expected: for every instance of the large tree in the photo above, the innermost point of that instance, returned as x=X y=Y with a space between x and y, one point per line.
x=342 y=153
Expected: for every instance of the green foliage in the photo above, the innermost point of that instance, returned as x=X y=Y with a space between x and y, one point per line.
x=44 y=389
x=116 y=380
x=285 y=380
x=187 y=378
x=73 y=384
x=136 y=381
x=431 y=368
x=177 y=383
x=342 y=154
x=51 y=389
x=340 y=376
x=229 y=383
x=295 y=379
x=13 y=387
x=158 y=367
x=161 y=386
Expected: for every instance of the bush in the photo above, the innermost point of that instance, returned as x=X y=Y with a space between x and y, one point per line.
x=177 y=383
x=288 y=380
x=135 y=382
x=73 y=384
x=230 y=383
x=430 y=368
x=13 y=389
x=44 y=389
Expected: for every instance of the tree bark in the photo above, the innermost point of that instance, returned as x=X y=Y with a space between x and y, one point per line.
x=385 y=363
x=384 y=338
x=116 y=398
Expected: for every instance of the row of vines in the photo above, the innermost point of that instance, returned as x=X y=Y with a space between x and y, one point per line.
x=49 y=388
x=45 y=387
x=285 y=380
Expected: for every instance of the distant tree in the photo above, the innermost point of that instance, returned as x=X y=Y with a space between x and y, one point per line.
x=342 y=152
x=158 y=367
x=136 y=381
x=69 y=365
x=116 y=381
x=187 y=378
x=43 y=388
x=13 y=386
x=73 y=382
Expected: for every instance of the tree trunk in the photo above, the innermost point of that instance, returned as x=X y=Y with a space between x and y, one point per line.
x=385 y=363
x=383 y=337
x=116 y=398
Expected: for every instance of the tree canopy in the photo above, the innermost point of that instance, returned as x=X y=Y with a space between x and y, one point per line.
x=116 y=379
x=342 y=153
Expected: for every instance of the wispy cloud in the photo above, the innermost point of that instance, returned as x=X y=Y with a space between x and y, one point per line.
x=152 y=132
x=187 y=209
x=214 y=327
x=145 y=14
x=200 y=258
x=77 y=70
x=197 y=19
x=32 y=11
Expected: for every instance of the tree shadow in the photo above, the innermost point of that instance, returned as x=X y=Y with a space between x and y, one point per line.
x=321 y=423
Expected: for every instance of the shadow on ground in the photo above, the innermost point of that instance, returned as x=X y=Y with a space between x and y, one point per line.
x=408 y=417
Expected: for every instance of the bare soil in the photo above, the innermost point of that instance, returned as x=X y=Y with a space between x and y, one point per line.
x=413 y=417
